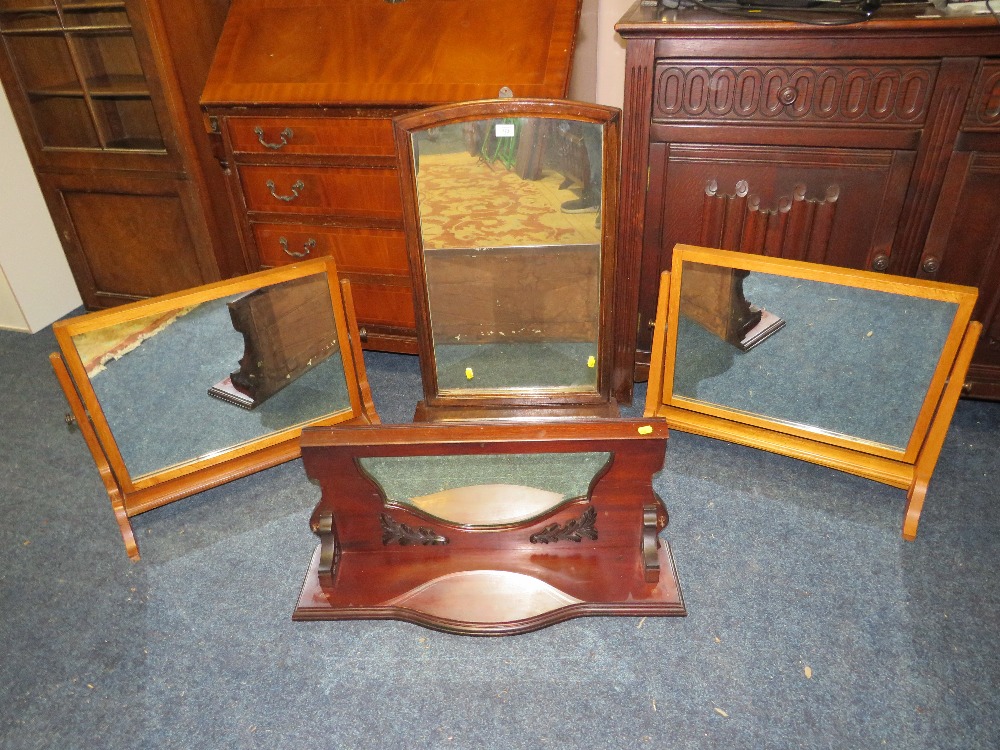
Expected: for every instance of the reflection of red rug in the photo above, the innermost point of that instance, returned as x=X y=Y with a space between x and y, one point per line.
x=99 y=347
x=465 y=202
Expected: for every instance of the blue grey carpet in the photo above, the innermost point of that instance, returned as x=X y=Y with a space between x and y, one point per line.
x=812 y=623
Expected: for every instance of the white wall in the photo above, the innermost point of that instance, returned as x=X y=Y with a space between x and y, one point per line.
x=36 y=286
x=610 y=53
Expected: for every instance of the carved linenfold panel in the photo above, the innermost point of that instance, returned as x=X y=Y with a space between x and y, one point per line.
x=817 y=93
x=796 y=227
x=984 y=104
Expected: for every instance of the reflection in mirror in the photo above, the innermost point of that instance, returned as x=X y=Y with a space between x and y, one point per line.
x=489 y=490
x=849 y=361
x=509 y=213
x=152 y=378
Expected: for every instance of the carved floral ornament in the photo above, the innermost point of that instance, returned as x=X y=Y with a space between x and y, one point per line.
x=821 y=93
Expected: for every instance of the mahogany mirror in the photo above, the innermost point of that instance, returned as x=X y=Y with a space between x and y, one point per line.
x=488 y=528
x=184 y=392
x=510 y=207
x=855 y=370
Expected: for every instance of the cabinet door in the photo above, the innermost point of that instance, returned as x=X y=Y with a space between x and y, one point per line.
x=963 y=245
x=85 y=80
x=129 y=238
x=826 y=205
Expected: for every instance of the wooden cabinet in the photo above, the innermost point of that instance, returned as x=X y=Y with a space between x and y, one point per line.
x=105 y=96
x=300 y=101
x=873 y=145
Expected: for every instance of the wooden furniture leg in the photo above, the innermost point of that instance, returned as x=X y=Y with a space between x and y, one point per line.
x=931 y=449
x=103 y=468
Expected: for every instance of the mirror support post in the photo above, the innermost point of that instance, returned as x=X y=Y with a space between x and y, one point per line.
x=103 y=467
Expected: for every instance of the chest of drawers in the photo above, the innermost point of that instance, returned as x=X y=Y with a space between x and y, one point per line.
x=300 y=101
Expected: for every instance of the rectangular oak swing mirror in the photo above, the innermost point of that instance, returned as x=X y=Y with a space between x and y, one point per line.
x=854 y=370
x=180 y=393
x=510 y=209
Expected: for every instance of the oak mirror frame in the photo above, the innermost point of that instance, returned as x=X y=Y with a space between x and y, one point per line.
x=149 y=384
x=854 y=370
x=510 y=211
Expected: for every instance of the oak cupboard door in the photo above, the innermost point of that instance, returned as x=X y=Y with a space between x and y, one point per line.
x=835 y=206
x=128 y=237
x=963 y=245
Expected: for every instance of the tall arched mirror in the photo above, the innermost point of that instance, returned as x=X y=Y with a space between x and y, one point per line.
x=510 y=208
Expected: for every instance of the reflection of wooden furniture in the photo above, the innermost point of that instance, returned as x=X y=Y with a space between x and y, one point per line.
x=300 y=100
x=105 y=95
x=597 y=554
x=509 y=294
x=287 y=330
x=714 y=297
x=536 y=293
x=896 y=117
x=908 y=467
x=131 y=495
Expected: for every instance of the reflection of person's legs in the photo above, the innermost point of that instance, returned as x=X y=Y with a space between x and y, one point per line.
x=590 y=199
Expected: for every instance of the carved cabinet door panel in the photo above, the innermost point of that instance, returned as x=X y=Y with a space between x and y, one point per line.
x=838 y=206
x=963 y=244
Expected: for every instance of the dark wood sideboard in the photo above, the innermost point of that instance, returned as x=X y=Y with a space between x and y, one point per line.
x=300 y=100
x=105 y=95
x=873 y=145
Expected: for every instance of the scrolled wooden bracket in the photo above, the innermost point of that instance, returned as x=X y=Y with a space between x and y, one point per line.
x=654 y=519
x=327 y=543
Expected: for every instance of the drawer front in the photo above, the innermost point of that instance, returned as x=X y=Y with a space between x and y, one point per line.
x=833 y=93
x=341 y=191
x=355 y=249
x=383 y=305
x=983 y=112
x=318 y=136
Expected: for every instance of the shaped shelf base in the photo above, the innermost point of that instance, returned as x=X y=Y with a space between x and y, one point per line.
x=457 y=596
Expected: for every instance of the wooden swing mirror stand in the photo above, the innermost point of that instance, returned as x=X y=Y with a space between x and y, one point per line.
x=488 y=528
x=854 y=370
x=181 y=393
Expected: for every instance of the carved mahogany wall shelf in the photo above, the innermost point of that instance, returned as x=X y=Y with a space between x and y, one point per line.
x=488 y=529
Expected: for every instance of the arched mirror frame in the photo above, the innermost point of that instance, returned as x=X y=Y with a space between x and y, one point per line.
x=536 y=402
x=131 y=495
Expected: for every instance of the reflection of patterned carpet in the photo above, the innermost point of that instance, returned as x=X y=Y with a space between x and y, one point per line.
x=454 y=212
x=99 y=347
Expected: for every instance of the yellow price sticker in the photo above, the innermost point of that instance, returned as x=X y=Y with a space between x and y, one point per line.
x=468 y=373
x=645 y=429
x=591 y=361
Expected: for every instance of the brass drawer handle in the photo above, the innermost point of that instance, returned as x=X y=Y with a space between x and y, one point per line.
x=307 y=247
x=296 y=188
x=286 y=136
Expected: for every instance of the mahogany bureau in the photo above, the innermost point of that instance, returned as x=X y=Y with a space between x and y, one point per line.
x=300 y=100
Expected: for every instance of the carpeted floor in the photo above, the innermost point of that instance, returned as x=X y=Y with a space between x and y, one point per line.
x=812 y=623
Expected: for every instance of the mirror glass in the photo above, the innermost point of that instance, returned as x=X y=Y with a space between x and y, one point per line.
x=510 y=224
x=833 y=358
x=488 y=490
x=152 y=375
